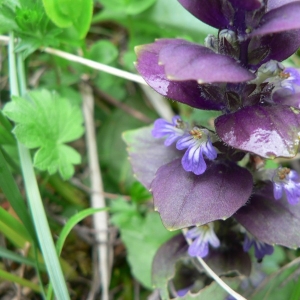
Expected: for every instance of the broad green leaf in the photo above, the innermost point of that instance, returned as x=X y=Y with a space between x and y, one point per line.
x=130 y=7
x=111 y=145
x=142 y=238
x=65 y=13
x=47 y=121
x=213 y=291
x=104 y=52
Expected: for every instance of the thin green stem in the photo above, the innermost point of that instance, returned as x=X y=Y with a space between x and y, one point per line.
x=32 y=191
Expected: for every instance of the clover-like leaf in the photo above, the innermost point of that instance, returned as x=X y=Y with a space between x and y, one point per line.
x=46 y=121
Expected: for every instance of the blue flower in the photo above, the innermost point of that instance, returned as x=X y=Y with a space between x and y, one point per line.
x=173 y=131
x=260 y=249
x=202 y=236
x=291 y=77
x=198 y=143
x=285 y=179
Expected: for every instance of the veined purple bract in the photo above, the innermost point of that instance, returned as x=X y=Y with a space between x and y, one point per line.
x=197 y=177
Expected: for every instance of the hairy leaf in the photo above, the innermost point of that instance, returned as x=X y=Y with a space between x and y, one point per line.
x=184 y=199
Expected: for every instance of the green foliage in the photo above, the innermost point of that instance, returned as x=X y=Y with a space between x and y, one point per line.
x=65 y=13
x=47 y=121
x=104 y=52
x=280 y=285
x=142 y=237
x=129 y=7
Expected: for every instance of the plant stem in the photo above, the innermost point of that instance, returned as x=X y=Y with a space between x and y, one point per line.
x=32 y=191
x=213 y=275
x=100 y=219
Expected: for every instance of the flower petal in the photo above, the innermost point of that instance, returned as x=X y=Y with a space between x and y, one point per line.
x=213 y=12
x=198 y=248
x=268 y=47
x=272 y=4
x=190 y=61
x=184 y=199
x=188 y=92
x=269 y=131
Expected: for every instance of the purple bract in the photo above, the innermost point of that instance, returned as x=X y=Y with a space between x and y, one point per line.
x=194 y=172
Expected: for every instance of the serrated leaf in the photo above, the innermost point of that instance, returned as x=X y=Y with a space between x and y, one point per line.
x=47 y=121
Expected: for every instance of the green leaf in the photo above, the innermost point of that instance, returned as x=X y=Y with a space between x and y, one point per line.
x=13 y=195
x=8 y=254
x=104 y=52
x=130 y=7
x=7 y=276
x=65 y=13
x=280 y=285
x=213 y=291
x=47 y=121
x=7 y=19
x=71 y=223
x=142 y=238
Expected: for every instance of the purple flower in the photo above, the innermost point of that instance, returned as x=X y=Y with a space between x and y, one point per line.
x=202 y=236
x=260 y=249
x=173 y=131
x=287 y=180
x=238 y=73
x=225 y=75
x=183 y=292
x=291 y=77
x=198 y=143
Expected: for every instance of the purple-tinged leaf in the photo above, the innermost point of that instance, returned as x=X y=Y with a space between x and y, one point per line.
x=282 y=98
x=163 y=266
x=274 y=42
x=280 y=19
x=147 y=153
x=269 y=131
x=188 y=92
x=189 y=61
x=271 y=221
x=246 y=4
x=213 y=12
x=184 y=199
x=272 y=4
